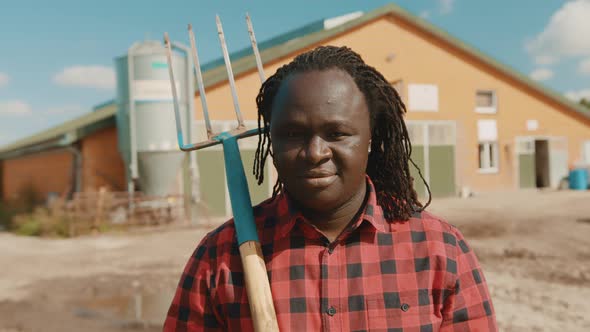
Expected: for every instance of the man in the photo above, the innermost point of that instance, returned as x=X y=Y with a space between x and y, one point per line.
x=347 y=244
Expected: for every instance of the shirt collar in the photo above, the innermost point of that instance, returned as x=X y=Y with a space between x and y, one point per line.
x=288 y=214
x=373 y=213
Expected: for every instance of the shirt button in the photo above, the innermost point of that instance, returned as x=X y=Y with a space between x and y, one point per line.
x=405 y=307
x=331 y=311
x=330 y=250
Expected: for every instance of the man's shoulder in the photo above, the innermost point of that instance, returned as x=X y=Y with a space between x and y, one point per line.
x=428 y=222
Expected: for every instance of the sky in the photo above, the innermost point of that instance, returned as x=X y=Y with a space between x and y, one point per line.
x=56 y=57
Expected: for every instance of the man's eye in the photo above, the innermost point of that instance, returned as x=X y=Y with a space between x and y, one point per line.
x=292 y=134
x=337 y=134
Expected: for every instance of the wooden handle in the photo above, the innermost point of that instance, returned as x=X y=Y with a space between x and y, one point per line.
x=258 y=288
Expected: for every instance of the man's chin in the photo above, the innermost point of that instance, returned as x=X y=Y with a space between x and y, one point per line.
x=325 y=199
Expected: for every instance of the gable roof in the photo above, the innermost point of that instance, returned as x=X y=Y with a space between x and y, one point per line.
x=243 y=61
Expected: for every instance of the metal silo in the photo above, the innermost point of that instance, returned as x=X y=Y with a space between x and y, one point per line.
x=145 y=116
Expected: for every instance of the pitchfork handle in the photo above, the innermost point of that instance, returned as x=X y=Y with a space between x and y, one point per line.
x=256 y=278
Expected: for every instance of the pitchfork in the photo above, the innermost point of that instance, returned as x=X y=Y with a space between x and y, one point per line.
x=256 y=278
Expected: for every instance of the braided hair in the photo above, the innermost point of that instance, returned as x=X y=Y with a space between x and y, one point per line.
x=390 y=155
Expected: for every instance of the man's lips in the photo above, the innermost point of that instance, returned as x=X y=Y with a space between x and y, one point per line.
x=318 y=179
x=317 y=174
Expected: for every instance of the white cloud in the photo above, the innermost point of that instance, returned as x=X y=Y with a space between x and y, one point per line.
x=578 y=95
x=15 y=107
x=425 y=14
x=545 y=60
x=566 y=32
x=445 y=6
x=541 y=74
x=4 y=79
x=584 y=67
x=100 y=77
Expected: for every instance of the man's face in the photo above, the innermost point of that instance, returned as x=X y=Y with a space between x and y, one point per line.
x=320 y=132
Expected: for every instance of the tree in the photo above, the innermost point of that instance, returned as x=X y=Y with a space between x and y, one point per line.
x=585 y=102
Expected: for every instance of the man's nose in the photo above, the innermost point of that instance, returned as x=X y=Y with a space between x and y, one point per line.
x=317 y=150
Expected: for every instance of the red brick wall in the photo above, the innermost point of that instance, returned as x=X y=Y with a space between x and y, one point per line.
x=48 y=172
x=1 y=180
x=102 y=162
x=45 y=172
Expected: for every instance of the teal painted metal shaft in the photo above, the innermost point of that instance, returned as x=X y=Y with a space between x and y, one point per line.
x=238 y=190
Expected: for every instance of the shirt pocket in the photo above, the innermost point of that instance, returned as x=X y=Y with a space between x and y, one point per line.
x=392 y=310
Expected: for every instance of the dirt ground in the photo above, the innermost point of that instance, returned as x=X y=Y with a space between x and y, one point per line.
x=534 y=247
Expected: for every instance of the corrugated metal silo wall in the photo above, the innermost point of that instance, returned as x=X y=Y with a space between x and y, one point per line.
x=122 y=115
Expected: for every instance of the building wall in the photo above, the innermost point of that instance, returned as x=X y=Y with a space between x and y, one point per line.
x=420 y=58
x=1 y=180
x=423 y=59
x=49 y=172
x=101 y=162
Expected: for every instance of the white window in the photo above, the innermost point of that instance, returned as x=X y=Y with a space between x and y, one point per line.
x=416 y=133
x=488 y=157
x=487 y=135
x=423 y=97
x=486 y=102
x=532 y=125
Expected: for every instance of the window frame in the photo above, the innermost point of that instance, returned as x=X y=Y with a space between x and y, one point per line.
x=487 y=109
x=491 y=158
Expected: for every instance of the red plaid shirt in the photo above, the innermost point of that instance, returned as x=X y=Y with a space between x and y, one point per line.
x=418 y=275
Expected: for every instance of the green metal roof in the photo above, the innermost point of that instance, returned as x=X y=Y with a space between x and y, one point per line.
x=63 y=134
x=103 y=105
x=284 y=45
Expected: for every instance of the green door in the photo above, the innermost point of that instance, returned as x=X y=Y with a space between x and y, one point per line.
x=213 y=184
x=442 y=170
x=418 y=158
x=212 y=180
x=526 y=170
x=434 y=154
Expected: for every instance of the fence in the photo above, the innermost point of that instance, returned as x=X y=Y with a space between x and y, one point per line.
x=95 y=211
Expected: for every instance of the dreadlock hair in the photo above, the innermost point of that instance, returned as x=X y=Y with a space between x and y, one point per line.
x=389 y=158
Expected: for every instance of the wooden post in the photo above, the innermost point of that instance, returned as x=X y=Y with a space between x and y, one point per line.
x=99 y=208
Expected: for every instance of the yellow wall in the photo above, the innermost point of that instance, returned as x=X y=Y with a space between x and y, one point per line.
x=420 y=58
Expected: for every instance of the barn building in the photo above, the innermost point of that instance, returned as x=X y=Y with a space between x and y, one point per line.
x=475 y=124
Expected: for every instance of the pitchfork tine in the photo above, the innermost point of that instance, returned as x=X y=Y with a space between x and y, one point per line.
x=212 y=138
x=258 y=289
x=174 y=94
x=255 y=49
x=200 y=81
x=230 y=74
